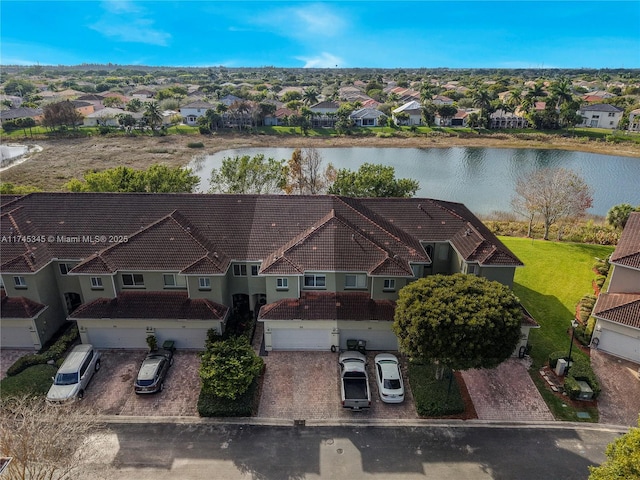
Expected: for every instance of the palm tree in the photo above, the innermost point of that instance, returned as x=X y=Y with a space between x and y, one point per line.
x=482 y=99
x=532 y=96
x=153 y=115
x=310 y=96
x=561 y=90
x=515 y=99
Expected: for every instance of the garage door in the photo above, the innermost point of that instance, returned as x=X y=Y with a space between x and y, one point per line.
x=117 y=337
x=621 y=345
x=16 y=337
x=185 y=338
x=376 y=339
x=300 y=339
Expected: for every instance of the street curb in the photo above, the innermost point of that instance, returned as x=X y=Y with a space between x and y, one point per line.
x=389 y=423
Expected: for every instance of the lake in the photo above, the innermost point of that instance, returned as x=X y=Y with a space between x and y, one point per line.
x=481 y=178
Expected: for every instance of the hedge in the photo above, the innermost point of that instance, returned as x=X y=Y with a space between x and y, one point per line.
x=55 y=352
x=243 y=406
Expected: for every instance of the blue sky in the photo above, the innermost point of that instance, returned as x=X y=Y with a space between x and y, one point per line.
x=384 y=34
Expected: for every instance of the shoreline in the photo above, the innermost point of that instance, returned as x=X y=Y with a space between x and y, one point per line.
x=61 y=160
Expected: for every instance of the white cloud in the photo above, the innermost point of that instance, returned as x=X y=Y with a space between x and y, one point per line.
x=309 y=22
x=324 y=60
x=128 y=22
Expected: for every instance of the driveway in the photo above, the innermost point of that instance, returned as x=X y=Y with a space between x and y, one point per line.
x=506 y=393
x=306 y=386
x=111 y=389
x=619 y=401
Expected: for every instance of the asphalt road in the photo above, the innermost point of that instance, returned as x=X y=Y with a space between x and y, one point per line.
x=159 y=451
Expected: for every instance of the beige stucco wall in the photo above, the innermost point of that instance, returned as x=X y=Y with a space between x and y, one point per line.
x=503 y=275
x=89 y=293
x=624 y=280
x=216 y=294
x=378 y=292
x=274 y=294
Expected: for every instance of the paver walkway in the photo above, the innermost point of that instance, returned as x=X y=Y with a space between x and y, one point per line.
x=506 y=393
x=619 y=401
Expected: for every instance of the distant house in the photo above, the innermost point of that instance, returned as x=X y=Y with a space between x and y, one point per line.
x=229 y=100
x=600 y=115
x=324 y=114
x=413 y=109
x=367 y=117
x=194 y=110
x=22 y=112
x=634 y=120
x=617 y=312
x=107 y=117
x=504 y=119
x=95 y=100
x=279 y=118
x=461 y=118
x=143 y=94
x=83 y=108
x=441 y=100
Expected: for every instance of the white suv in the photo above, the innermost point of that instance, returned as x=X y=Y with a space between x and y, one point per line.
x=74 y=374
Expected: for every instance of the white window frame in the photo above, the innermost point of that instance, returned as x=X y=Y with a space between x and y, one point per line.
x=19 y=281
x=473 y=268
x=133 y=283
x=315 y=279
x=96 y=283
x=64 y=268
x=204 y=283
x=359 y=281
x=389 y=285
x=239 y=270
x=172 y=276
x=282 y=284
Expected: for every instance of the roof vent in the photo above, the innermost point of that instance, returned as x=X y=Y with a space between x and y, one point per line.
x=467 y=232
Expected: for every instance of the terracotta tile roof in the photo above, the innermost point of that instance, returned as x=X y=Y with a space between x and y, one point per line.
x=623 y=308
x=527 y=319
x=329 y=306
x=151 y=305
x=19 y=307
x=197 y=233
x=627 y=252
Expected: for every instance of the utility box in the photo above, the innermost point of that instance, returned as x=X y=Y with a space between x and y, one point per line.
x=561 y=367
x=585 y=391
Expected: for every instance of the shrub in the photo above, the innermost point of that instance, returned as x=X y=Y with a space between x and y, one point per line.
x=571 y=387
x=600 y=279
x=152 y=342
x=602 y=267
x=54 y=352
x=195 y=145
x=243 y=406
x=581 y=370
x=204 y=130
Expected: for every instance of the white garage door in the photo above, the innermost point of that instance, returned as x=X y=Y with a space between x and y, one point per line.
x=621 y=345
x=184 y=338
x=16 y=337
x=117 y=337
x=300 y=339
x=376 y=339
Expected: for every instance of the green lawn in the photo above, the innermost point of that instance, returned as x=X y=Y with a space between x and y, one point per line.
x=555 y=277
x=34 y=380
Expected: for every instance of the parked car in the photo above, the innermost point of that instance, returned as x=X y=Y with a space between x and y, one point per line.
x=74 y=374
x=389 y=378
x=153 y=371
x=354 y=383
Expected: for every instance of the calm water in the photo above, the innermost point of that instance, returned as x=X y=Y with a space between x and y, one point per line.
x=481 y=178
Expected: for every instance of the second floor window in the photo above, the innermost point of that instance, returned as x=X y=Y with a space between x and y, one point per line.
x=64 y=268
x=282 y=283
x=20 y=282
x=315 y=281
x=132 y=280
x=254 y=270
x=239 y=270
x=96 y=282
x=169 y=280
x=389 y=284
x=355 y=281
x=204 y=283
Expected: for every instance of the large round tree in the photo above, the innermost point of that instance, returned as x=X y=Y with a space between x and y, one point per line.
x=461 y=321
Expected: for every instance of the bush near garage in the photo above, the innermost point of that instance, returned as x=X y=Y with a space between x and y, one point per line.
x=433 y=397
x=243 y=406
x=55 y=352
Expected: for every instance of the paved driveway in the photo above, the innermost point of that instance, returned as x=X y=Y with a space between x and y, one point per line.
x=305 y=386
x=111 y=389
x=506 y=393
x=619 y=401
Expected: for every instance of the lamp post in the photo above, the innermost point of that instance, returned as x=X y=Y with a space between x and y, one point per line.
x=574 y=324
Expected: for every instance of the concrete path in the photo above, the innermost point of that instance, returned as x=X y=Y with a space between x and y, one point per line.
x=506 y=393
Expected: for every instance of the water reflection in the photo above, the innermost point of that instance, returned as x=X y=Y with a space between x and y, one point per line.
x=481 y=178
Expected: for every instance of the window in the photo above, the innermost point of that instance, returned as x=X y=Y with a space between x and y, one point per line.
x=355 y=281
x=612 y=114
x=315 y=281
x=64 y=268
x=204 y=283
x=389 y=284
x=239 y=270
x=169 y=280
x=254 y=270
x=416 y=270
x=96 y=283
x=472 y=269
x=132 y=280
x=282 y=283
x=19 y=282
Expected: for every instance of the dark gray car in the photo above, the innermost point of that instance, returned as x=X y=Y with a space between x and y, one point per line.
x=153 y=371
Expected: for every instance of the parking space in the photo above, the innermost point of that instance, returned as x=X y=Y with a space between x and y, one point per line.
x=619 y=401
x=306 y=385
x=111 y=390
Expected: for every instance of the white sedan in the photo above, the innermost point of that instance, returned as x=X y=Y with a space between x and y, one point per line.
x=389 y=378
